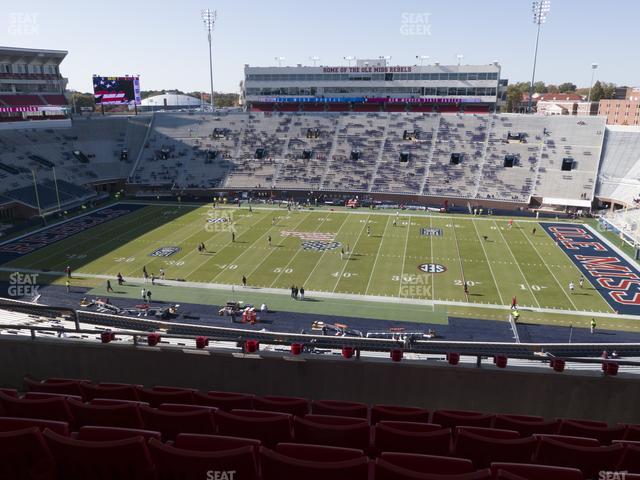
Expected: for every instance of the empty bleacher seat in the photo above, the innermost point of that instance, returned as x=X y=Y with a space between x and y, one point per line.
x=398 y=413
x=156 y=397
x=429 y=463
x=8 y=424
x=270 y=428
x=526 y=424
x=119 y=392
x=344 y=409
x=538 y=472
x=124 y=415
x=108 y=460
x=318 y=452
x=590 y=460
x=455 y=418
x=96 y=433
x=226 y=401
x=410 y=437
x=290 y=405
x=332 y=430
x=598 y=430
x=25 y=455
x=482 y=450
x=276 y=466
x=385 y=470
x=173 y=463
x=170 y=424
x=48 y=408
x=70 y=387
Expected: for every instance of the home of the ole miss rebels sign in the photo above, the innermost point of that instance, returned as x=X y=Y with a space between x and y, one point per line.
x=616 y=279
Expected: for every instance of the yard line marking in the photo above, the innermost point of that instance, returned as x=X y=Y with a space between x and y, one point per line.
x=347 y=262
x=377 y=255
x=346 y=217
x=484 y=250
x=299 y=250
x=431 y=260
x=404 y=255
x=548 y=269
x=455 y=236
x=517 y=264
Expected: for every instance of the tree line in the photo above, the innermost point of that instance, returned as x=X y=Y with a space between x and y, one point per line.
x=517 y=91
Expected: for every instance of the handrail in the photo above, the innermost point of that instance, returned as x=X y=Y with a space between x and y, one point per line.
x=139 y=326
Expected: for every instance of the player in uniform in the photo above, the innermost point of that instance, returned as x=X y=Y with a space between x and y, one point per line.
x=572 y=287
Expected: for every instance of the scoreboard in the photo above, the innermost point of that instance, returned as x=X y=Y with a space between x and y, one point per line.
x=116 y=90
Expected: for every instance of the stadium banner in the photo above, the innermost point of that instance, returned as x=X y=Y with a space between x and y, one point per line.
x=18 y=247
x=116 y=90
x=369 y=100
x=615 y=278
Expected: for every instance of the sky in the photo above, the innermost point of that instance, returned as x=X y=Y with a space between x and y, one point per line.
x=166 y=43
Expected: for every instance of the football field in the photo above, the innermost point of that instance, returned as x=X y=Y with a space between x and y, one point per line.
x=365 y=252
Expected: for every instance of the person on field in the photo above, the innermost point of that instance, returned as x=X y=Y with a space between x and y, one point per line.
x=572 y=287
x=244 y=281
x=593 y=325
x=109 y=287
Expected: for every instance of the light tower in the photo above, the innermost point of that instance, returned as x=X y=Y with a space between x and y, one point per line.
x=349 y=59
x=540 y=12
x=315 y=60
x=594 y=67
x=209 y=18
x=279 y=60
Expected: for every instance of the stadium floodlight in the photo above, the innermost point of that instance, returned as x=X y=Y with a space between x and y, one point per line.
x=315 y=60
x=386 y=58
x=279 y=60
x=349 y=59
x=540 y=12
x=422 y=58
x=594 y=67
x=209 y=18
x=459 y=57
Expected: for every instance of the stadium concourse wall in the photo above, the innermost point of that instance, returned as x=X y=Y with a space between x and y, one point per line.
x=371 y=380
x=194 y=194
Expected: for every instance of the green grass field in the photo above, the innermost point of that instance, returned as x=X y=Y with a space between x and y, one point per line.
x=511 y=262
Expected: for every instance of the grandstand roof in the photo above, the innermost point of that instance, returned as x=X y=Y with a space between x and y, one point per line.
x=12 y=52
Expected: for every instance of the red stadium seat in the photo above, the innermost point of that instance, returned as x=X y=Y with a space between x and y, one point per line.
x=291 y=405
x=526 y=425
x=270 y=428
x=276 y=466
x=170 y=424
x=630 y=460
x=48 y=408
x=180 y=407
x=632 y=433
x=333 y=431
x=343 y=409
x=226 y=401
x=402 y=414
x=102 y=434
x=157 y=397
x=43 y=395
x=165 y=388
x=12 y=392
x=123 y=392
x=598 y=430
x=24 y=455
x=538 y=472
x=406 y=437
x=579 y=441
x=429 y=463
x=179 y=464
x=482 y=450
x=318 y=452
x=489 y=432
x=388 y=471
x=70 y=387
x=590 y=460
x=9 y=424
x=456 y=418
x=112 y=460
x=116 y=401
x=213 y=443
x=124 y=415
